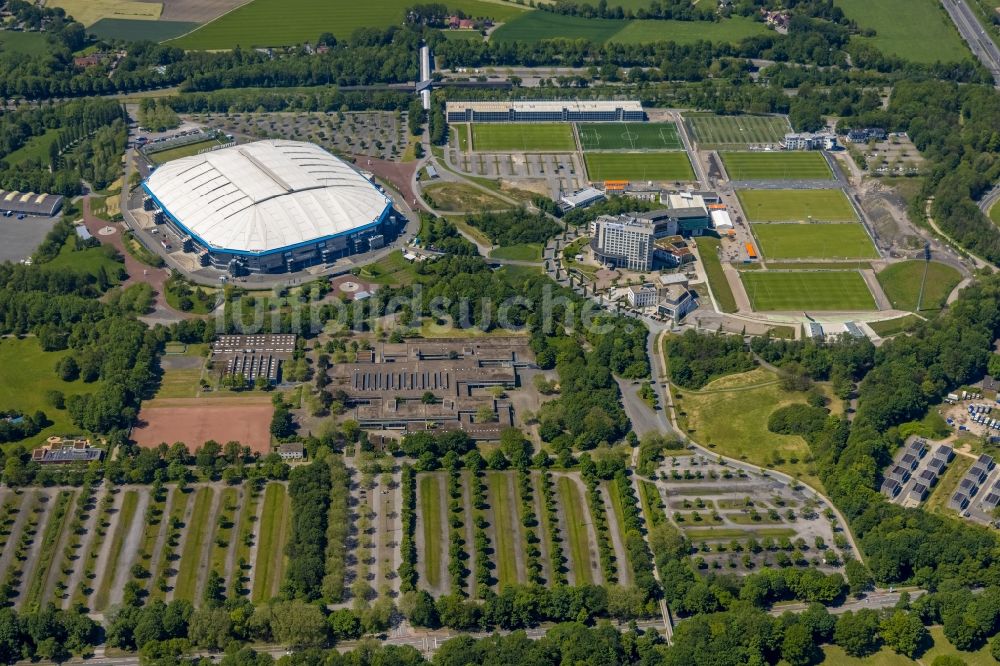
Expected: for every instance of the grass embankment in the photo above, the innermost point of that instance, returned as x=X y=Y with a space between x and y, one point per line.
x=271 y=551
x=902 y=284
x=42 y=569
x=504 y=519
x=192 y=554
x=708 y=249
x=888 y=327
x=115 y=555
x=576 y=517
x=430 y=513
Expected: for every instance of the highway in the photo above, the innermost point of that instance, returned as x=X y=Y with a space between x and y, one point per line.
x=972 y=31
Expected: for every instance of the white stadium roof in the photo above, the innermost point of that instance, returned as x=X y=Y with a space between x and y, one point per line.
x=263 y=197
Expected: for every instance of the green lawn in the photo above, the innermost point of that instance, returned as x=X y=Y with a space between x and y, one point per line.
x=889 y=327
x=224 y=531
x=616 y=507
x=736 y=132
x=729 y=415
x=576 y=516
x=430 y=513
x=150 y=533
x=776 y=165
x=824 y=290
x=708 y=250
x=188 y=150
x=178 y=507
x=917 y=30
x=42 y=568
x=661 y=167
x=392 y=269
x=940 y=646
x=89 y=260
x=462 y=35
x=522 y=137
x=995 y=213
x=902 y=284
x=36 y=148
x=504 y=518
x=196 y=533
x=522 y=252
x=814 y=241
x=26 y=374
x=538 y=26
x=125 y=517
x=703 y=533
x=28 y=43
x=286 y=22
x=271 y=551
x=629 y=136
x=796 y=205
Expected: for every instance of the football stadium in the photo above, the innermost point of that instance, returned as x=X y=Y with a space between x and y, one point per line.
x=270 y=207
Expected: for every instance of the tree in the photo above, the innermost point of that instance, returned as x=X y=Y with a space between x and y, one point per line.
x=210 y=628
x=417 y=606
x=857 y=632
x=798 y=647
x=903 y=632
x=298 y=624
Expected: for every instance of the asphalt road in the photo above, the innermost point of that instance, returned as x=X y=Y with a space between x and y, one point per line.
x=973 y=33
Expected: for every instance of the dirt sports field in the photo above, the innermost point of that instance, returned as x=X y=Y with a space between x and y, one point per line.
x=197 y=420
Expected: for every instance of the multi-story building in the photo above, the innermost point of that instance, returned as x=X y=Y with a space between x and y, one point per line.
x=624 y=241
x=544 y=111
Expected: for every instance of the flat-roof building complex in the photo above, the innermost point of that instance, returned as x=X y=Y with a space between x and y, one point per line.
x=252 y=356
x=269 y=206
x=544 y=111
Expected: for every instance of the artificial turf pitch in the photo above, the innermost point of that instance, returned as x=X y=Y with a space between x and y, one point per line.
x=807 y=291
x=661 y=167
x=776 y=165
x=628 y=136
x=522 y=137
x=814 y=241
x=737 y=132
x=796 y=205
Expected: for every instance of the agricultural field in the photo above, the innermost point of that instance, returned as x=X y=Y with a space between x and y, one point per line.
x=916 y=30
x=539 y=26
x=509 y=559
x=28 y=43
x=807 y=291
x=25 y=358
x=628 y=136
x=814 y=241
x=522 y=137
x=796 y=205
x=136 y=30
x=713 y=132
x=89 y=12
x=287 y=22
x=904 y=281
x=661 y=167
x=729 y=415
x=777 y=165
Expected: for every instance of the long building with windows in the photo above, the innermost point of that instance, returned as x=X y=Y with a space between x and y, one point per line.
x=270 y=207
x=544 y=111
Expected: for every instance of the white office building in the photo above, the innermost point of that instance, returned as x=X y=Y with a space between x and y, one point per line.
x=623 y=242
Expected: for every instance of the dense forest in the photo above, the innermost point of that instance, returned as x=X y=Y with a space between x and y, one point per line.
x=515 y=226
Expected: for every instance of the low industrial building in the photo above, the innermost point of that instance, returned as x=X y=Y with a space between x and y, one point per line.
x=580 y=199
x=422 y=385
x=544 y=111
x=252 y=356
x=29 y=203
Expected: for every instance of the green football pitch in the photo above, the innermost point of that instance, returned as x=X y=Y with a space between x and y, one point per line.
x=522 y=137
x=776 y=165
x=736 y=132
x=796 y=205
x=800 y=290
x=814 y=241
x=661 y=167
x=628 y=136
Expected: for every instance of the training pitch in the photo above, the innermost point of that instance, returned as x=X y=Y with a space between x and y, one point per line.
x=814 y=241
x=807 y=291
x=796 y=205
x=194 y=421
x=776 y=165
x=628 y=136
x=523 y=137
x=637 y=167
x=736 y=132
